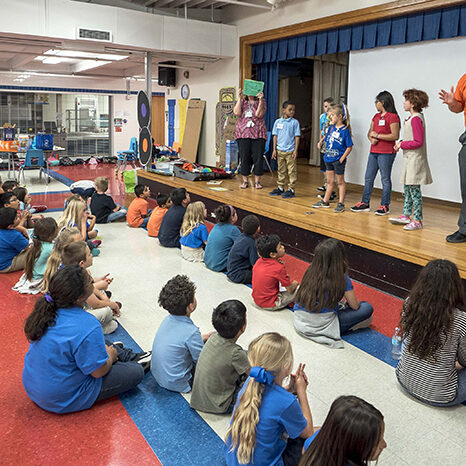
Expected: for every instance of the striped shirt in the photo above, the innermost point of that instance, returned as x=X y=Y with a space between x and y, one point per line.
x=436 y=381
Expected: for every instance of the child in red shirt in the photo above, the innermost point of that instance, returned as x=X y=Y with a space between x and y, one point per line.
x=138 y=211
x=269 y=276
x=155 y=220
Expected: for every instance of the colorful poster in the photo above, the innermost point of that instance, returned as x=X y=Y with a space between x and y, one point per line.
x=183 y=104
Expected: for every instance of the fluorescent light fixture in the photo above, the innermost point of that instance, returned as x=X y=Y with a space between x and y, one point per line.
x=52 y=60
x=89 y=64
x=79 y=54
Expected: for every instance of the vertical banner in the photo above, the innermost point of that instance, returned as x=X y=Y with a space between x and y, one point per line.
x=171 y=121
x=183 y=105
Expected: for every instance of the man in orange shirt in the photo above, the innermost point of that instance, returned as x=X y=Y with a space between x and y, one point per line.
x=138 y=211
x=456 y=101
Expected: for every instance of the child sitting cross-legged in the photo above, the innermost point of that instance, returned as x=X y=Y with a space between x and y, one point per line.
x=169 y=232
x=98 y=304
x=65 y=236
x=223 y=364
x=269 y=276
x=13 y=241
x=38 y=252
x=193 y=233
x=138 y=211
x=103 y=206
x=69 y=365
x=270 y=422
x=243 y=253
x=326 y=304
x=221 y=238
x=164 y=202
x=178 y=342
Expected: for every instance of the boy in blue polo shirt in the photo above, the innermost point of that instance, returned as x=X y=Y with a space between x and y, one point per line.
x=286 y=133
x=178 y=342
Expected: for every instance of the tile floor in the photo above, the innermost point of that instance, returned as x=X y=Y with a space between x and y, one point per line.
x=416 y=434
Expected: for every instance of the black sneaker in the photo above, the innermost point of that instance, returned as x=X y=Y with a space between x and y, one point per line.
x=361 y=207
x=143 y=357
x=276 y=192
x=383 y=210
x=321 y=204
x=456 y=237
x=322 y=188
x=288 y=194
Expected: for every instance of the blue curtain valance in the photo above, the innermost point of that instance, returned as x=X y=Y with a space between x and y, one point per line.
x=430 y=25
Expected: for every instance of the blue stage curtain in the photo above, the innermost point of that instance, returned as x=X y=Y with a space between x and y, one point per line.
x=430 y=25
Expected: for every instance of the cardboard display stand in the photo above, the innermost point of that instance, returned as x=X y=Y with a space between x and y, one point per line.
x=224 y=108
x=192 y=130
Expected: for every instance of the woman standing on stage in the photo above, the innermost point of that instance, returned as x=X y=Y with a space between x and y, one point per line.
x=251 y=135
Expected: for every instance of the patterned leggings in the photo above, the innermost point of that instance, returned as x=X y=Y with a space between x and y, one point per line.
x=413 y=199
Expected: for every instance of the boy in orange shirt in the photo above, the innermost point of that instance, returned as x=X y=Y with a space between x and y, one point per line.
x=138 y=211
x=155 y=220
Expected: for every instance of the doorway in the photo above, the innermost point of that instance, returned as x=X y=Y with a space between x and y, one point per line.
x=158 y=119
x=307 y=82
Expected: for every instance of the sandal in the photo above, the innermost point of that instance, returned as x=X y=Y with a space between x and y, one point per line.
x=258 y=186
x=244 y=185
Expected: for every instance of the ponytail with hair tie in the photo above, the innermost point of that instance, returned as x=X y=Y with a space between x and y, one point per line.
x=259 y=374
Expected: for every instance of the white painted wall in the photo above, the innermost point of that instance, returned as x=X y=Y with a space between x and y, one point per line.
x=251 y=20
x=429 y=66
x=59 y=19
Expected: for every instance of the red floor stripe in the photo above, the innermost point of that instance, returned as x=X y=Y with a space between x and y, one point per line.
x=386 y=308
x=30 y=436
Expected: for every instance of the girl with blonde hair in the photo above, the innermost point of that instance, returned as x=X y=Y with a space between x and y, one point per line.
x=65 y=237
x=193 y=232
x=265 y=410
x=76 y=215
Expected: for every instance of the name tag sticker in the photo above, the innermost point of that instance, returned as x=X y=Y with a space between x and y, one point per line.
x=381 y=122
x=279 y=125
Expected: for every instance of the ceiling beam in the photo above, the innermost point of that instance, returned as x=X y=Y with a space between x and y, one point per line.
x=178 y=3
x=251 y=5
x=21 y=60
x=157 y=3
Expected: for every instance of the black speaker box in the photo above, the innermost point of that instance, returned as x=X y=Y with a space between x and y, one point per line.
x=167 y=75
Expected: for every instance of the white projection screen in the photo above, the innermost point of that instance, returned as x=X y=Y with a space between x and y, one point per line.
x=429 y=66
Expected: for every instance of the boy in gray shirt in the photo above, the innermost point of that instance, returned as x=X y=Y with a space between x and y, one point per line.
x=223 y=365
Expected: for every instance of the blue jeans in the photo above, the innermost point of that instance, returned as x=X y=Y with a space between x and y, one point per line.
x=349 y=317
x=124 y=375
x=146 y=220
x=116 y=215
x=384 y=163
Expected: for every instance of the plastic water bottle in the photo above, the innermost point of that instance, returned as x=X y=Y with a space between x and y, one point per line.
x=396 y=344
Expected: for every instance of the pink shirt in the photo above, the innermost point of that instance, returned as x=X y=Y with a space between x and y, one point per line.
x=258 y=129
x=418 y=135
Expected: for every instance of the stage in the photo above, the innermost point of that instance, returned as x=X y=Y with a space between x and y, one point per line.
x=380 y=254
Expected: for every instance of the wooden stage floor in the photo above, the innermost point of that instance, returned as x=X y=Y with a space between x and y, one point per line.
x=364 y=229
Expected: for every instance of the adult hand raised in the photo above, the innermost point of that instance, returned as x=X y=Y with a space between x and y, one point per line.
x=260 y=96
x=447 y=97
x=240 y=93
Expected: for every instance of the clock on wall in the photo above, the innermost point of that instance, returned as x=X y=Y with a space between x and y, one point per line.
x=184 y=91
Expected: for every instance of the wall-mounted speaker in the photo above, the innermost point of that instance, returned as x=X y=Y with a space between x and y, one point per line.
x=167 y=75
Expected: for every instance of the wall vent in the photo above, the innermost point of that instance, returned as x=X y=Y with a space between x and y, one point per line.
x=93 y=34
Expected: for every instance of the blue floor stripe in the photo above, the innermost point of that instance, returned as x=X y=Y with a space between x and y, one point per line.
x=62 y=178
x=374 y=343
x=167 y=422
x=46 y=193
